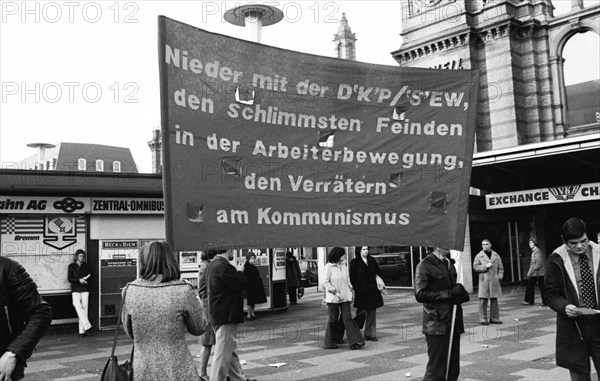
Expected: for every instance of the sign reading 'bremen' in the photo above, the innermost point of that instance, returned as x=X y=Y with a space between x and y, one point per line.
x=552 y=195
x=266 y=147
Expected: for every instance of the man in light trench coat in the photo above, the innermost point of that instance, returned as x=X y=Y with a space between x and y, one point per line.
x=489 y=266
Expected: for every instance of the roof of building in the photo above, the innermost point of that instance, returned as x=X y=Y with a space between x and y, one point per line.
x=67 y=156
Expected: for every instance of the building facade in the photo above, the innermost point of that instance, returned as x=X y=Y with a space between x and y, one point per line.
x=537 y=136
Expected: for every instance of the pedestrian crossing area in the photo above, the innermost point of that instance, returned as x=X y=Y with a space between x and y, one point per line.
x=287 y=346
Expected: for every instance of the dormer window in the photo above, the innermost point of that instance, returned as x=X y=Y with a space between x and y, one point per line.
x=116 y=166
x=81 y=164
x=99 y=166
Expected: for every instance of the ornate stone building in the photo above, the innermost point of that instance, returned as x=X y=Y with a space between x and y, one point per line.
x=535 y=134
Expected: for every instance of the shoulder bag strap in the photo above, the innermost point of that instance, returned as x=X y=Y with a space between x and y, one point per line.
x=112 y=352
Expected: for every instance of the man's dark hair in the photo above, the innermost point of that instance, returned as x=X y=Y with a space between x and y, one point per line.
x=573 y=228
x=535 y=242
x=335 y=254
x=211 y=253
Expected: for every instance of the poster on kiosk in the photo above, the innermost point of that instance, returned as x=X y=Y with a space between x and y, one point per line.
x=118 y=266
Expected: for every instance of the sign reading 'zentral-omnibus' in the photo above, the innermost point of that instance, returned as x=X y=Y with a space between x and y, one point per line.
x=552 y=195
x=265 y=147
x=79 y=205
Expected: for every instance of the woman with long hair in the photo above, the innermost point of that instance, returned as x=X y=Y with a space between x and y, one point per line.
x=159 y=309
x=338 y=295
x=78 y=275
x=367 y=297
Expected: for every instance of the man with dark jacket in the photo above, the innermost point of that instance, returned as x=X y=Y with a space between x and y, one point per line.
x=24 y=318
x=225 y=284
x=572 y=285
x=292 y=276
x=436 y=288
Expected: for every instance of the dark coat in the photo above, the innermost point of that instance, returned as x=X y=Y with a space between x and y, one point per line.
x=366 y=294
x=292 y=272
x=24 y=315
x=255 y=289
x=433 y=282
x=225 y=286
x=75 y=273
x=561 y=290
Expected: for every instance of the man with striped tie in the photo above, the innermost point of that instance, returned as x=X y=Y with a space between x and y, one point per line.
x=572 y=276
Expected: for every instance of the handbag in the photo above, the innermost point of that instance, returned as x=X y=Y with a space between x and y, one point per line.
x=113 y=371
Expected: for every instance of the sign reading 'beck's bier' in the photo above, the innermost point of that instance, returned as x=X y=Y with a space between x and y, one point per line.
x=552 y=195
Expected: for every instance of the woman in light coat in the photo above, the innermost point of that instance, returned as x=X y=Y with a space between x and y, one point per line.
x=158 y=311
x=338 y=296
x=491 y=271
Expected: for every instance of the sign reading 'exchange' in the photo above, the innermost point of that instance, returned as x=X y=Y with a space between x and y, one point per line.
x=552 y=195
x=265 y=147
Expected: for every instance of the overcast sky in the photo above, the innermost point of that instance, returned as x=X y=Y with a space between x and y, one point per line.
x=88 y=71
x=116 y=51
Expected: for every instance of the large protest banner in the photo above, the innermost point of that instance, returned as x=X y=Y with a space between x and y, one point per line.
x=266 y=147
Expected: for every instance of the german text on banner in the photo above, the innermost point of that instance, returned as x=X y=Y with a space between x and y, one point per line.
x=266 y=147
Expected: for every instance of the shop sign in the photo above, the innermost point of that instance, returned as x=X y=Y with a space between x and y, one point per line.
x=127 y=206
x=79 y=205
x=48 y=205
x=551 y=195
x=266 y=147
x=120 y=244
x=44 y=246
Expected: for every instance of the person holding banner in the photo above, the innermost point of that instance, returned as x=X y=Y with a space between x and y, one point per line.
x=491 y=271
x=367 y=297
x=78 y=275
x=338 y=295
x=442 y=296
x=225 y=284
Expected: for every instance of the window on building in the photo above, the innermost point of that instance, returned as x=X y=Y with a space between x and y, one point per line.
x=81 y=164
x=99 y=166
x=53 y=164
x=116 y=166
x=581 y=67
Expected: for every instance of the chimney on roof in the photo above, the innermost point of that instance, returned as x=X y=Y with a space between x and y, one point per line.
x=156 y=147
x=41 y=151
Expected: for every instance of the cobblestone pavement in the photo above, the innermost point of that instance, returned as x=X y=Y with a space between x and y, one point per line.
x=287 y=346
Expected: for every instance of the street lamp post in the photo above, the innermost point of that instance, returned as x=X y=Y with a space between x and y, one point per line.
x=255 y=16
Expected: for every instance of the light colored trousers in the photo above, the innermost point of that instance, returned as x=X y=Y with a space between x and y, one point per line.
x=225 y=361
x=80 y=302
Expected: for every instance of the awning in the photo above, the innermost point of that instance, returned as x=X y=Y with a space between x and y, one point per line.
x=566 y=161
